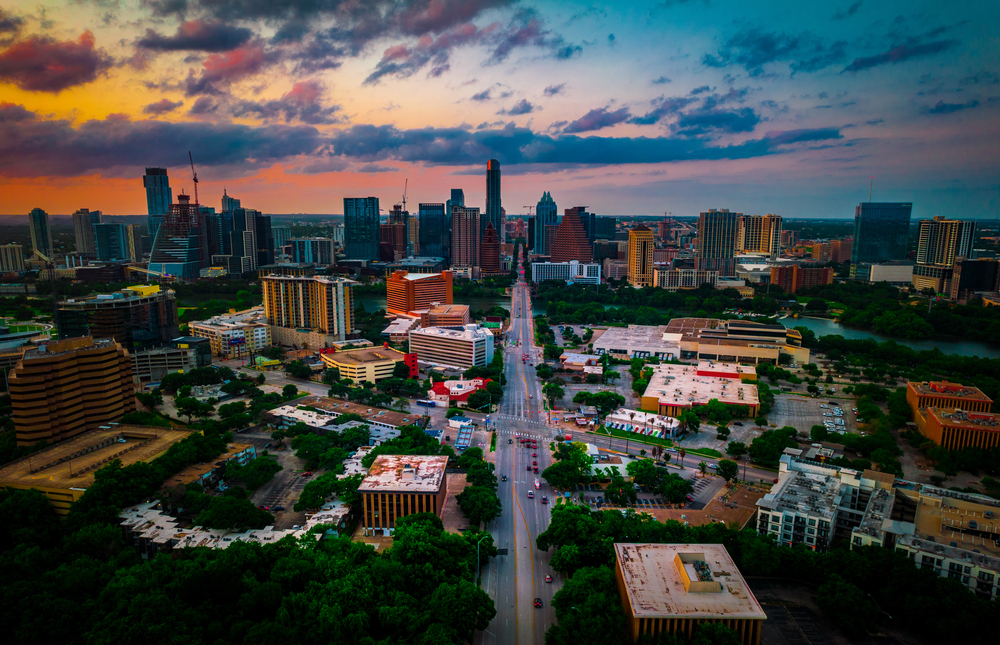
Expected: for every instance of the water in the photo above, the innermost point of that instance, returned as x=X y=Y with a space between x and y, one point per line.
x=827 y=327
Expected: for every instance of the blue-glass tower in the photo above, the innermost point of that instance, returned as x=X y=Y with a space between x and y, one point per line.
x=158 y=198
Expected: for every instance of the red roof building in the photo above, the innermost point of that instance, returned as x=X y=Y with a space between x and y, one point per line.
x=456 y=391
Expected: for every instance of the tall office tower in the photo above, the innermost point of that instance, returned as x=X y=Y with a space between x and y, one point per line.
x=940 y=244
x=550 y=237
x=640 y=256
x=789 y=238
x=465 y=236
x=312 y=250
x=158 y=198
x=64 y=388
x=83 y=229
x=881 y=232
x=133 y=242
x=413 y=236
x=240 y=245
x=571 y=240
x=11 y=258
x=604 y=228
x=432 y=230
x=760 y=234
x=139 y=317
x=531 y=232
x=489 y=251
x=545 y=213
x=717 y=233
x=111 y=242
x=229 y=203
x=407 y=292
x=41 y=234
x=494 y=210
x=589 y=221
x=457 y=199
x=840 y=250
x=265 y=240
x=361 y=222
x=394 y=232
x=310 y=302
x=177 y=249
x=281 y=235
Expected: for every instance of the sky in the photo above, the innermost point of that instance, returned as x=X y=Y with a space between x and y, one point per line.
x=629 y=108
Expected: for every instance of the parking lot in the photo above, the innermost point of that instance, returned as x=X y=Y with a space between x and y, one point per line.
x=286 y=486
x=802 y=413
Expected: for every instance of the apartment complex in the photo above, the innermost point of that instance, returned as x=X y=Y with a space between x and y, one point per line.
x=674 y=588
x=941 y=243
x=717 y=235
x=463 y=347
x=443 y=315
x=795 y=277
x=312 y=250
x=11 y=258
x=236 y=334
x=83 y=230
x=759 y=234
x=465 y=236
x=411 y=291
x=64 y=388
x=140 y=317
x=673 y=389
x=369 y=363
x=640 y=257
x=316 y=303
x=677 y=279
x=400 y=485
x=572 y=271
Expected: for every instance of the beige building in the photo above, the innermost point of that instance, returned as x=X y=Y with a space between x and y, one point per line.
x=317 y=303
x=759 y=234
x=400 y=485
x=463 y=347
x=11 y=258
x=640 y=256
x=736 y=341
x=674 y=388
x=677 y=279
x=236 y=334
x=366 y=364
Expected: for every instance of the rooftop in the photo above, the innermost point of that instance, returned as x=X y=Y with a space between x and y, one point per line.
x=457 y=333
x=252 y=316
x=808 y=493
x=364 y=355
x=956 y=418
x=656 y=339
x=375 y=415
x=946 y=389
x=684 y=581
x=405 y=473
x=127 y=295
x=683 y=385
x=66 y=346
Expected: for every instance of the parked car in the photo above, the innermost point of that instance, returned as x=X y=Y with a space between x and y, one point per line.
x=528 y=468
x=535 y=469
x=279 y=508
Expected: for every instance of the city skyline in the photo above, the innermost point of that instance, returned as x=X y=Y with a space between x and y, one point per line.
x=659 y=107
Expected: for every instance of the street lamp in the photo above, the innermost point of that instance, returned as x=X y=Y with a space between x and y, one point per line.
x=476 y=577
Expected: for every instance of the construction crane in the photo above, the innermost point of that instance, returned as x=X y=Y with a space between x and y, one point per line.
x=150 y=272
x=530 y=208
x=405 y=187
x=194 y=177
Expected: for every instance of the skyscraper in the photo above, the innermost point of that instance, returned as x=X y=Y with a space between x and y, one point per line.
x=413 y=236
x=489 y=251
x=111 y=242
x=133 y=240
x=550 y=237
x=158 y=198
x=494 y=209
x=881 y=231
x=83 y=229
x=361 y=220
x=432 y=230
x=309 y=302
x=229 y=203
x=41 y=235
x=717 y=233
x=545 y=213
x=394 y=233
x=465 y=236
x=281 y=235
x=941 y=243
x=312 y=250
x=177 y=249
x=640 y=257
x=457 y=199
x=11 y=257
x=760 y=234
x=571 y=239
x=265 y=239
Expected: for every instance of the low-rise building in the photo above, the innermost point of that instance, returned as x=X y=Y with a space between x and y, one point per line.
x=955 y=429
x=456 y=391
x=647 y=423
x=736 y=341
x=675 y=388
x=464 y=347
x=399 y=329
x=674 y=588
x=942 y=394
x=639 y=341
x=577 y=362
x=235 y=335
x=439 y=315
x=369 y=363
x=209 y=474
x=323 y=410
x=676 y=279
x=572 y=271
x=400 y=485
x=184 y=354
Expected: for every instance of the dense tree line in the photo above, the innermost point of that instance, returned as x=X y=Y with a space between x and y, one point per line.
x=479 y=501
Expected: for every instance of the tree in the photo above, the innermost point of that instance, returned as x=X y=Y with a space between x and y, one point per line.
x=401 y=370
x=703 y=468
x=331 y=376
x=261 y=378
x=588 y=611
x=846 y=605
x=767 y=448
x=401 y=404
x=715 y=634
x=736 y=449
x=151 y=400
x=479 y=504
x=675 y=488
x=681 y=453
x=24 y=313
x=819 y=433
x=552 y=391
x=611 y=376
x=689 y=421
x=728 y=470
x=275 y=352
x=562 y=475
x=229 y=513
x=479 y=400
x=289 y=391
x=255 y=473
x=619 y=491
x=298 y=369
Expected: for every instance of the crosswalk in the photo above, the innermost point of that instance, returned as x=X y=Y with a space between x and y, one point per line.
x=521 y=434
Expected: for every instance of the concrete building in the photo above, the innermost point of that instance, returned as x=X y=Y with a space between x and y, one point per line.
x=717 y=235
x=940 y=244
x=465 y=236
x=84 y=221
x=398 y=330
x=320 y=304
x=494 y=204
x=400 y=485
x=11 y=258
x=954 y=429
x=572 y=271
x=410 y=291
x=577 y=362
x=570 y=242
x=638 y=341
x=942 y=394
x=468 y=346
x=489 y=251
x=369 y=363
x=235 y=335
x=675 y=388
x=438 y=315
x=140 y=317
x=422 y=264
x=182 y=355
x=614 y=269
x=759 y=234
x=677 y=279
x=209 y=474
x=179 y=250
x=640 y=257
x=794 y=277
x=736 y=341
x=41 y=234
x=312 y=250
x=325 y=410
x=645 y=423
x=455 y=392
x=159 y=197
x=674 y=588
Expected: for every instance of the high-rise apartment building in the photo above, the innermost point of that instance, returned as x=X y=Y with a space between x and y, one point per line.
x=394 y=234
x=640 y=257
x=84 y=221
x=793 y=278
x=940 y=244
x=545 y=213
x=63 y=388
x=111 y=242
x=315 y=250
x=361 y=235
x=11 y=258
x=494 y=209
x=840 y=250
x=315 y=302
x=464 y=236
x=413 y=235
x=571 y=239
x=759 y=234
x=158 y=198
x=281 y=235
x=177 y=249
x=489 y=251
x=432 y=230
x=41 y=234
x=881 y=232
x=718 y=231
x=463 y=347
x=407 y=292
x=139 y=317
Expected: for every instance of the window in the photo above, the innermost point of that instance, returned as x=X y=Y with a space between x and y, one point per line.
x=812 y=522
x=857 y=540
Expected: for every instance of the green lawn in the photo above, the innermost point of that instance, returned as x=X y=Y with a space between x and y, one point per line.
x=635 y=436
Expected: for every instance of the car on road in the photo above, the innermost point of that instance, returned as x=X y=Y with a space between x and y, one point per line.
x=538 y=602
x=712 y=466
x=531 y=494
x=307 y=474
x=534 y=463
x=528 y=468
x=510 y=441
x=545 y=500
x=264 y=508
x=534 y=454
x=535 y=469
x=279 y=508
x=503 y=478
x=548 y=578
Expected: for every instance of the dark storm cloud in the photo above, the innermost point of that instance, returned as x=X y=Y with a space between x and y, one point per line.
x=700 y=122
x=900 y=54
x=521 y=107
x=10 y=26
x=552 y=90
x=197 y=35
x=597 y=119
x=664 y=108
x=948 y=108
x=304 y=103
x=754 y=48
x=163 y=106
x=41 y=64
x=850 y=11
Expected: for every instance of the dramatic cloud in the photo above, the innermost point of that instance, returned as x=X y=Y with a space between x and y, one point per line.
x=219 y=70
x=374 y=167
x=41 y=64
x=302 y=103
x=401 y=61
x=10 y=26
x=900 y=54
x=699 y=122
x=526 y=29
x=521 y=107
x=664 y=108
x=552 y=90
x=197 y=35
x=753 y=49
x=853 y=9
x=597 y=119
x=948 y=108
x=162 y=106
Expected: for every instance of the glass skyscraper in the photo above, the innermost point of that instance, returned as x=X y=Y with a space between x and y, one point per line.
x=158 y=198
x=494 y=211
x=457 y=199
x=177 y=249
x=881 y=233
x=432 y=230
x=717 y=233
x=111 y=242
x=545 y=213
x=83 y=229
x=41 y=234
x=361 y=235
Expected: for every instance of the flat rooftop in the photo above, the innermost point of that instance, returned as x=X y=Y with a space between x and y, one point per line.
x=457 y=333
x=655 y=339
x=365 y=355
x=378 y=415
x=683 y=385
x=405 y=473
x=61 y=347
x=956 y=418
x=809 y=493
x=948 y=390
x=685 y=581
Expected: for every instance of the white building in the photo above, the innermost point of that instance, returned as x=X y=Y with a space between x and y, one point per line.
x=675 y=279
x=235 y=335
x=647 y=423
x=639 y=341
x=464 y=347
x=572 y=271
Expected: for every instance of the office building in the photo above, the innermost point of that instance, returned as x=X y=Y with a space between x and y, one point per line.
x=941 y=243
x=489 y=251
x=41 y=234
x=465 y=236
x=464 y=347
x=614 y=269
x=281 y=235
x=184 y=354
x=840 y=250
x=789 y=238
x=972 y=277
x=457 y=199
x=413 y=234
x=881 y=232
x=361 y=221
x=494 y=210
x=235 y=335
x=264 y=239
x=416 y=265
x=11 y=258
x=177 y=248
x=371 y=364
x=671 y=589
x=287 y=268
x=717 y=235
x=140 y=317
x=432 y=230
x=640 y=257
x=793 y=278
x=571 y=240
x=324 y=305
x=64 y=388
x=953 y=415
x=400 y=485
x=312 y=250
x=408 y=291
x=572 y=271
x=673 y=389
x=83 y=229
x=759 y=234
x=899 y=273
x=441 y=315
x=551 y=230
x=677 y=279
x=158 y=198
x=546 y=214
x=111 y=242
x=134 y=247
